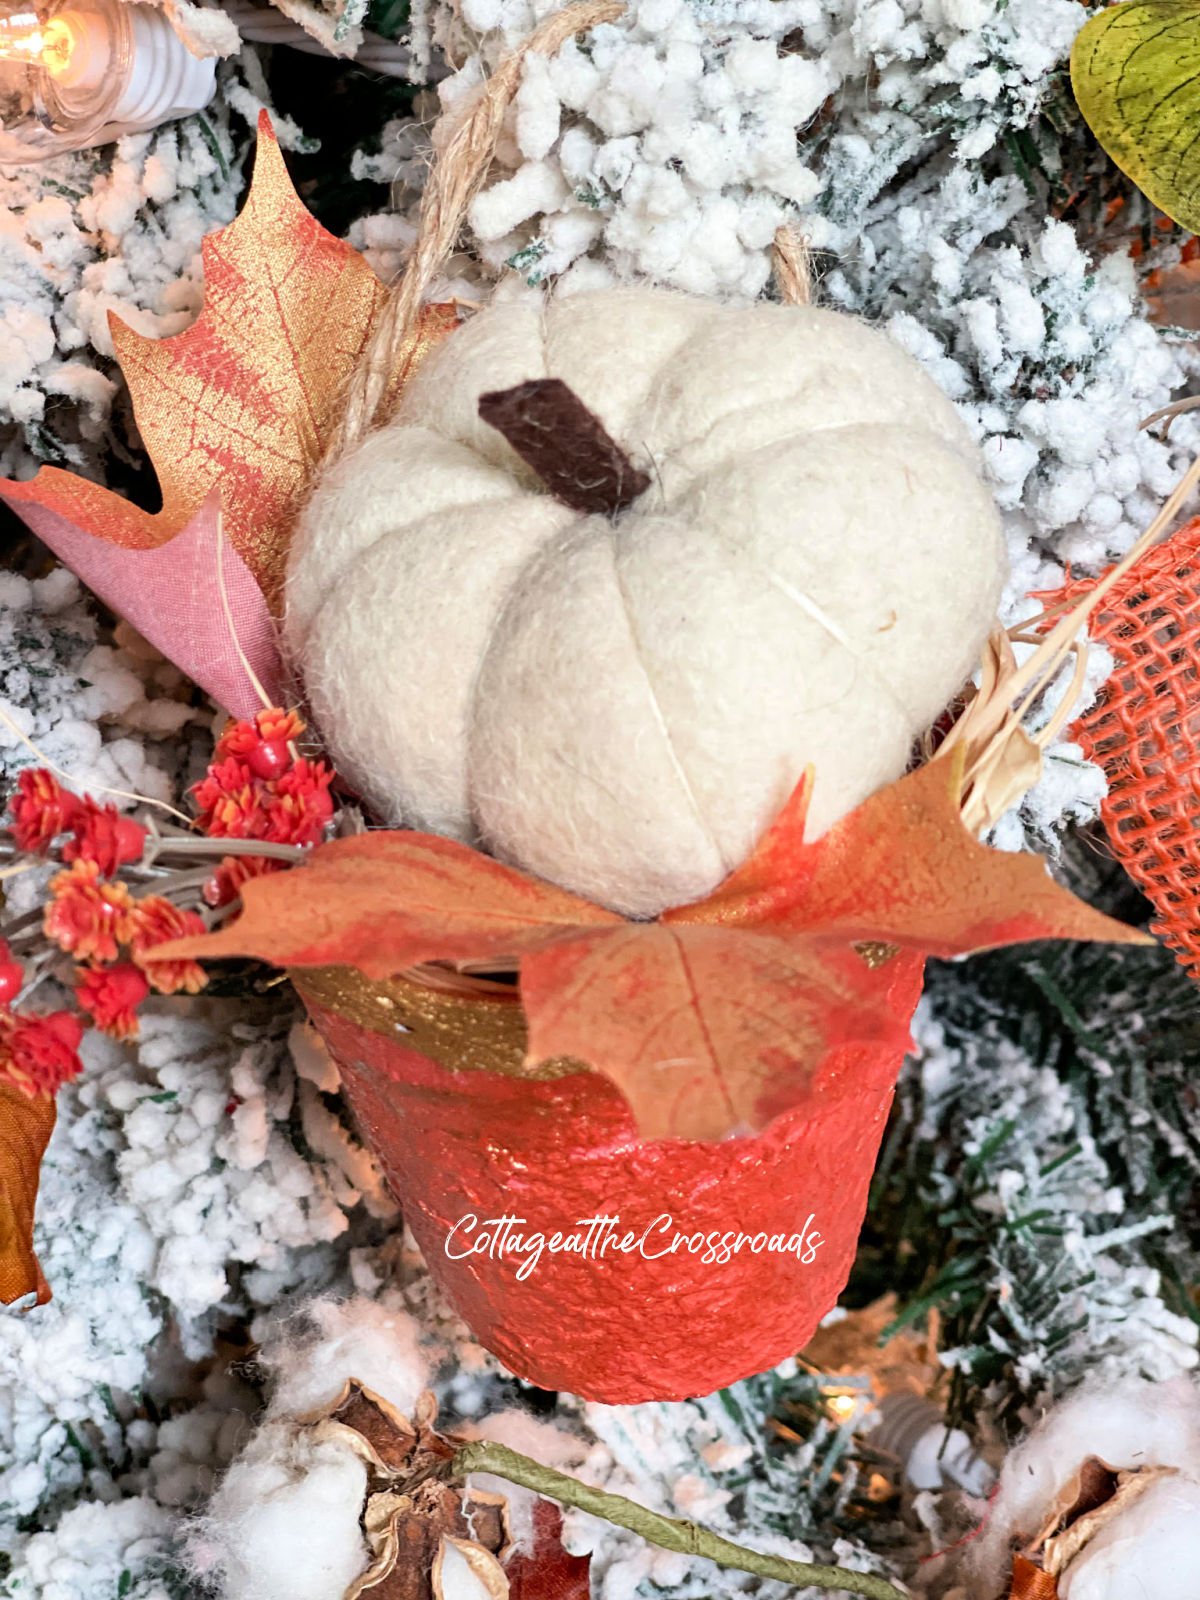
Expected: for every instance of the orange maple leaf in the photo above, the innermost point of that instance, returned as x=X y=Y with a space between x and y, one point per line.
x=241 y=399
x=387 y=900
x=706 y=1031
x=25 y=1128
x=720 y=1014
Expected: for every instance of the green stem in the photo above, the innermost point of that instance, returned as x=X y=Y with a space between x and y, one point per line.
x=686 y=1537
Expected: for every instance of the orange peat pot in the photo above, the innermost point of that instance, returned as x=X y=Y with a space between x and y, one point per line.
x=716 y=1261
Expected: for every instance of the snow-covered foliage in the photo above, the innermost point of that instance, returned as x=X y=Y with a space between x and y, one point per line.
x=1057 y=1155
x=102 y=713
x=174 y=1197
x=86 y=235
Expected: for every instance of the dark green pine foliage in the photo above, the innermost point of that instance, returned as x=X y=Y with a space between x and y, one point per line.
x=1040 y=1185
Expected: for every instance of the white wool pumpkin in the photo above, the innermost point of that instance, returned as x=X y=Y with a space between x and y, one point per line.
x=622 y=704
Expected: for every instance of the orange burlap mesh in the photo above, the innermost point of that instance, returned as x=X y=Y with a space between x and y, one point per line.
x=1145 y=732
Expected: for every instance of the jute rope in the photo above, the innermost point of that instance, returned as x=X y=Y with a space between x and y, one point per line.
x=454 y=179
x=791 y=259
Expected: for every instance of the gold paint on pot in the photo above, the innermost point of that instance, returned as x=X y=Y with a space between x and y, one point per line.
x=465 y=1024
x=876 y=952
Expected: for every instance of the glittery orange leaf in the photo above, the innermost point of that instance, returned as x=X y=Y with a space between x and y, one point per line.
x=25 y=1128
x=239 y=401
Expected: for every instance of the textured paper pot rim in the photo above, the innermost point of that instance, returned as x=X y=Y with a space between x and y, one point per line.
x=431 y=1079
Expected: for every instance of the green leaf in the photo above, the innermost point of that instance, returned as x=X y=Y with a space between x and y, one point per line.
x=1135 y=70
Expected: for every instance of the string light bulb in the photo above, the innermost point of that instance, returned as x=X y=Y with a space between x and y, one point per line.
x=77 y=73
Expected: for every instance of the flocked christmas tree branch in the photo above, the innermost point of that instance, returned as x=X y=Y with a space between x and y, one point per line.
x=670 y=1533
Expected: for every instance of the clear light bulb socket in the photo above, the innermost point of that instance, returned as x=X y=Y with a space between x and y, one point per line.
x=77 y=73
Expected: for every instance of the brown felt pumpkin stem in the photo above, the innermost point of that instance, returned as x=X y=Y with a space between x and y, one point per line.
x=567 y=445
x=666 y=1532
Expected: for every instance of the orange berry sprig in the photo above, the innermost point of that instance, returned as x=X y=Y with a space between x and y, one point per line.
x=260 y=808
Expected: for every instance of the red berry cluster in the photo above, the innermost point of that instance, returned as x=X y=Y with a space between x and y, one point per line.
x=257 y=788
x=260 y=787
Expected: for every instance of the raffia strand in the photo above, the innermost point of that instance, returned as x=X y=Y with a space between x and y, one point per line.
x=454 y=179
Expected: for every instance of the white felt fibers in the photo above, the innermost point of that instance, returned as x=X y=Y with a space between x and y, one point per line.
x=622 y=703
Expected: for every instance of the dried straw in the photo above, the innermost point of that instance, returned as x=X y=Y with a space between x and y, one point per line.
x=453 y=181
x=1001 y=760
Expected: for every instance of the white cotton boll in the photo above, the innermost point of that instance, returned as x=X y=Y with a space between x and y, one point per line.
x=336 y=1340
x=284 y=1521
x=463 y=1571
x=753 y=65
x=568 y=235
x=613 y=703
x=661 y=16
x=715 y=242
x=708 y=158
x=1130 y=1424
x=758 y=221
x=587 y=276
x=662 y=195
x=615 y=162
x=482 y=15
x=1152 y=1549
x=795 y=182
x=575 y=78
x=685 y=61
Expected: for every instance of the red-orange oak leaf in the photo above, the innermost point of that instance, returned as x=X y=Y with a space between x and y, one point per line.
x=25 y=1128
x=722 y=1012
x=901 y=869
x=240 y=400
